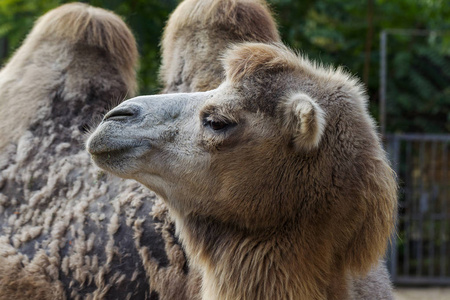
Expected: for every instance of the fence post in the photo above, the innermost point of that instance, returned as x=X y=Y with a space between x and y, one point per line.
x=394 y=151
x=383 y=71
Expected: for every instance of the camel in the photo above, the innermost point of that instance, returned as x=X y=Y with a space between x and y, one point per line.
x=276 y=179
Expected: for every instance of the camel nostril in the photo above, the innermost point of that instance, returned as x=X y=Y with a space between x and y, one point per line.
x=122 y=113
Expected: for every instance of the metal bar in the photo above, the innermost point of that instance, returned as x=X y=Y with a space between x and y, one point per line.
x=400 y=31
x=383 y=71
x=395 y=165
x=396 y=156
x=416 y=217
x=424 y=174
x=422 y=137
x=408 y=207
x=432 y=209
x=425 y=214
x=420 y=230
x=444 y=222
x=421 y=280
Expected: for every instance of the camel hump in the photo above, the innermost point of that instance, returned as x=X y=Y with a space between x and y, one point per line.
x=82 y=23
x=199 y=32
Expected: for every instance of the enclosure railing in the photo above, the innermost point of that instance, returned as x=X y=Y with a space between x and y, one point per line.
x=420 y=251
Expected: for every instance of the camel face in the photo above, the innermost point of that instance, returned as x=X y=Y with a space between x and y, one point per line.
x=195 y=150
x=143 y=138
x=279 y=135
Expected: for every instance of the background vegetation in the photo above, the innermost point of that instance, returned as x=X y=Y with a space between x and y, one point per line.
x=331 y=31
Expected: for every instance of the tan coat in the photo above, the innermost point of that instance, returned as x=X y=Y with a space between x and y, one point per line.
x=276 y=180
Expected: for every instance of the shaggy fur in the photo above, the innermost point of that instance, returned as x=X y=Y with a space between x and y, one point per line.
x=304 y=117
x=56 y=35
x=199 y=31
x=281 y=212
x=67 y=230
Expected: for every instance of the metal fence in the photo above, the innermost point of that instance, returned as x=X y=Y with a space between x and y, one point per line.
x=420 y=252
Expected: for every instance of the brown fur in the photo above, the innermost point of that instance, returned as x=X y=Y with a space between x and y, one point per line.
x=58 y=204
x=81 y=23
x=198 y=32
x=281 y=212
x=374 y=182
x=311 y=251
x=31 y=282
x=62 y=235
x=58 y=32
x=60 y=209
x=88 y=57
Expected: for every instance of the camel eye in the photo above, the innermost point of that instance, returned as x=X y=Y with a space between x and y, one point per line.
x=216 y=125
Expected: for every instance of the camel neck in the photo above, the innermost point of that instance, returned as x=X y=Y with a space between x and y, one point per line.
x=240 y=265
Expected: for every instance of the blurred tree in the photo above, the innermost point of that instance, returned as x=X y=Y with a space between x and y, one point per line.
x=329 y=31
x=16 y=19
x=418 y=89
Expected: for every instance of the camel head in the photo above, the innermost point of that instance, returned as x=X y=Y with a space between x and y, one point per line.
x=216 y=153
x=281 y=145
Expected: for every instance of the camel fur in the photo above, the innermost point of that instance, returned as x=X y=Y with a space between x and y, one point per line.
x=276 y=180
x=199 y=31
x=69 y=231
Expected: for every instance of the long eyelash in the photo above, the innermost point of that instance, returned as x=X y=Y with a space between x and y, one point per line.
x=218 y=118
x=219 y=114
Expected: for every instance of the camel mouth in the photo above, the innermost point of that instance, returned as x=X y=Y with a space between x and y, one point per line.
x=112 y=140
x=117 y=149
x=114 y=148
x=114 y=152
x=106 y=150
x=115 y=157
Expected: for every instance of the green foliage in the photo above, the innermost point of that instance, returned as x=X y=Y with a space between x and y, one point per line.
x=335 y=31
x=418 y=79
x=17 y=18
x=330 y=31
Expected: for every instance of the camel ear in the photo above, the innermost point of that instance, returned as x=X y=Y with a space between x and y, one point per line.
x=305 y=120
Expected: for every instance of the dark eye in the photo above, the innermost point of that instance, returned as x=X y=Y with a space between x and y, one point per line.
x=216 y=125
